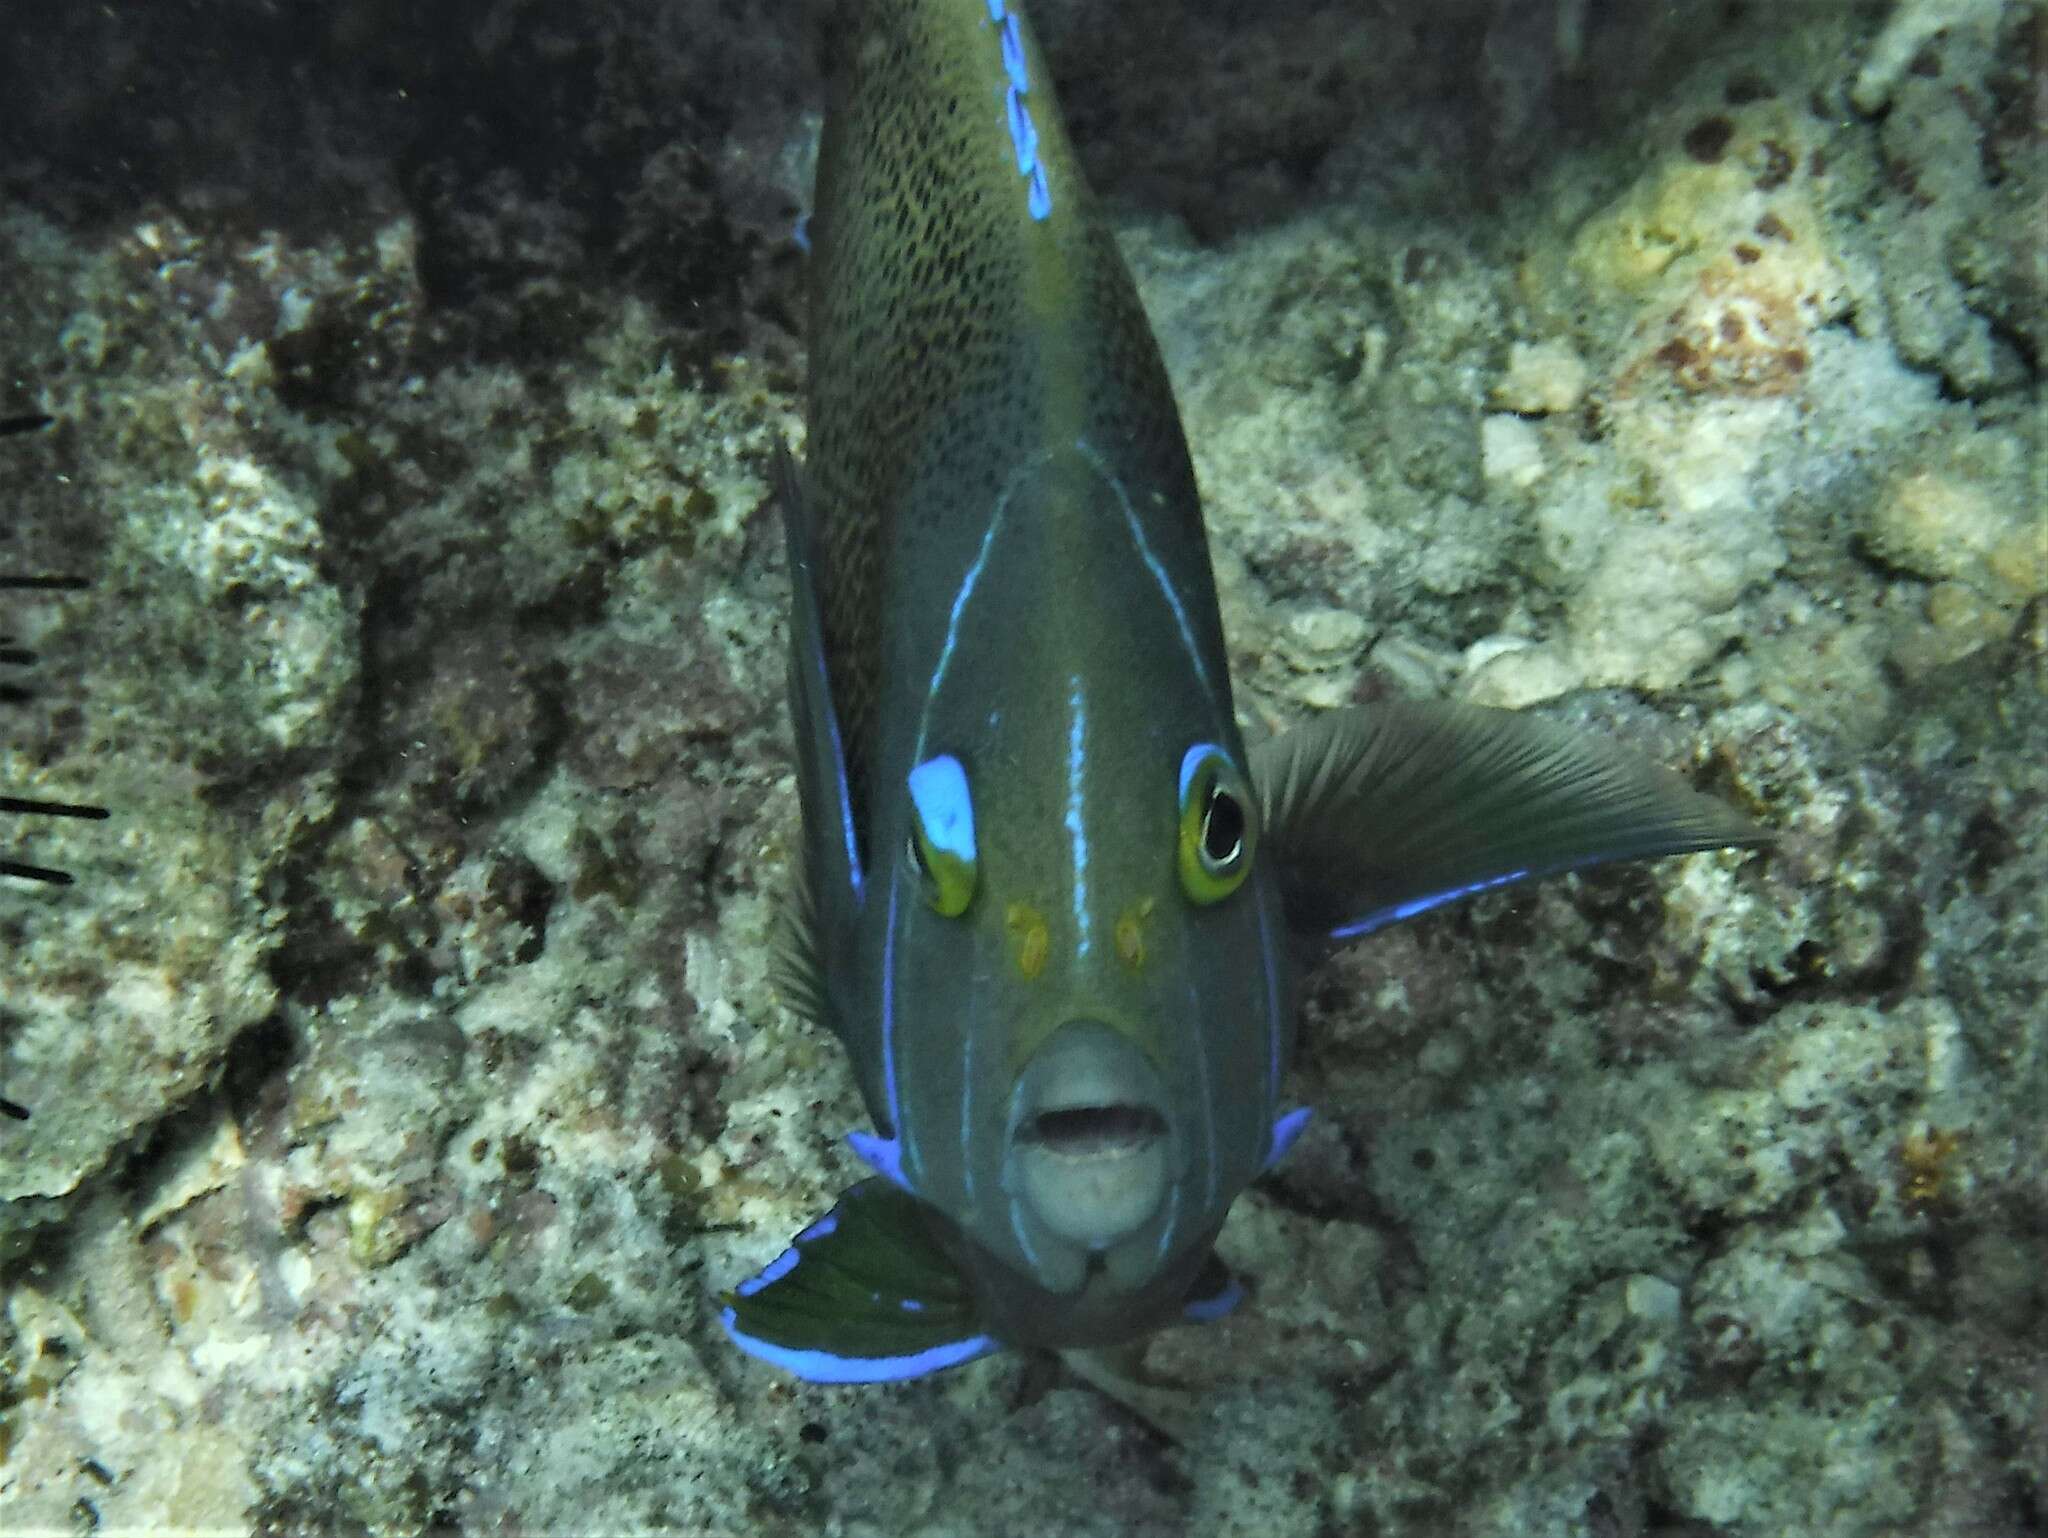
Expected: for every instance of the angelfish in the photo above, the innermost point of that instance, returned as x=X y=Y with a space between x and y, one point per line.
x=1055 y=911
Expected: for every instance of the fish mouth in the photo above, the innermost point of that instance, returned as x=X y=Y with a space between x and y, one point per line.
x=1090 y=1140
x=1094 y=1131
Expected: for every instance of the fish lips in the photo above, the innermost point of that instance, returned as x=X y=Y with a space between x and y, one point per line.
x=1090 y=1154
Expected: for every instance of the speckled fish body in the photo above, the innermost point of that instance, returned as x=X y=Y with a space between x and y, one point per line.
x=1046 y=911
x=1013 y=578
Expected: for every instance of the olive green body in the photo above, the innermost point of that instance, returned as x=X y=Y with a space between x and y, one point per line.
x=1007 y=557
x=1053 y=911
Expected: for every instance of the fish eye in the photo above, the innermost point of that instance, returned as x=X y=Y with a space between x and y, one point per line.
x=1222 y=831
x=941 y=843
x=1217 y=832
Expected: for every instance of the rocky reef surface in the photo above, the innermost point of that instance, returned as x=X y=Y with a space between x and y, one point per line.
x=403 y=1071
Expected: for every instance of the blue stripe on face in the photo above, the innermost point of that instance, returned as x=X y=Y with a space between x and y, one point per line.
x=829 y=1367
x=1413 y=906
x=1152 y=565
x=1077 y=732
x=938 y=789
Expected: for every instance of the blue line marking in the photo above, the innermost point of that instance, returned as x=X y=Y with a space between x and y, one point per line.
x=1285 y=1132
x=822 y=1229
x=1413 y=906
x=829 y=1367
x=801 y=233
x=1013 y=55
x=821 y=687
x=1209 y=1310
x=883 y=1155
x=769 y=1274
x=1276 y=1013
x=1076 y=732
x=856 y=878
x=1171 y=1226
x=1180 y=613
x=890 y=1091
x=960 y=598
x=1023 y=132
x=1017 y=1228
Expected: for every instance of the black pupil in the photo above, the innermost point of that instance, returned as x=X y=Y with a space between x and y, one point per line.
x=1222 y=828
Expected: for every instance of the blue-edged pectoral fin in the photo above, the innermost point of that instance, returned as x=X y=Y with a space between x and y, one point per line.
x=864 y=1295
x=1379 y=813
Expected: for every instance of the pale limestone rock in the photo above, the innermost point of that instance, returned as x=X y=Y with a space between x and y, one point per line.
x=1511 y=451
x=1542 y=379
x=1518 y=675
x=1913 y=24
x=1965 y=521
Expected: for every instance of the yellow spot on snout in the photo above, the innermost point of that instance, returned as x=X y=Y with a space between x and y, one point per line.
x=1030 y=943
x=1130 y=933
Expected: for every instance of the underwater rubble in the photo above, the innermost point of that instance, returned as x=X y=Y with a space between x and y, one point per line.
x=404 y=1070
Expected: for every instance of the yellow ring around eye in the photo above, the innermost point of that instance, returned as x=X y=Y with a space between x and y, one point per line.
x=949 y=879
x=1218 y=827
x=942 y=833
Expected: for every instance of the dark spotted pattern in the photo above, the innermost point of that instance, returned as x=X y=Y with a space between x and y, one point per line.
x=952 y=335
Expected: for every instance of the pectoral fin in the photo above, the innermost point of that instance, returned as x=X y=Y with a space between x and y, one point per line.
x=833 y=869
x=793 y=964
x=1380 y=813
x=864 y=1295
x=827 y=881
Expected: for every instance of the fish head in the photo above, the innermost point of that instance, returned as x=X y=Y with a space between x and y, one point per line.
x=1083 y=992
